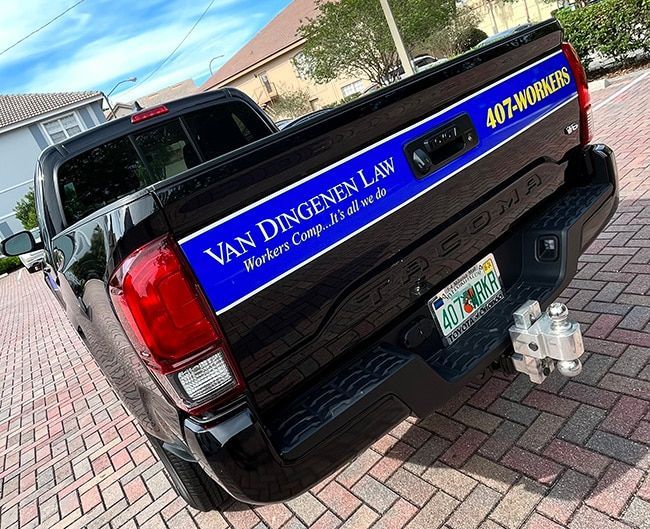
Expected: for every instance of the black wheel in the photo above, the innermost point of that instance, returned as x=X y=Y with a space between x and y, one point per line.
x=190 y=480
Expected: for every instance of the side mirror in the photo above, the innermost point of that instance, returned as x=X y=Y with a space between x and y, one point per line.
x=19 y=243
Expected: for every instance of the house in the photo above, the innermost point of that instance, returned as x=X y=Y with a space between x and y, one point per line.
x=270 y=63
x=176 y=91
x=28 y=124
x=118 y=110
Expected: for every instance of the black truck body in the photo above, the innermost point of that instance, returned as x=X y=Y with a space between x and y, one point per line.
x=332 y=348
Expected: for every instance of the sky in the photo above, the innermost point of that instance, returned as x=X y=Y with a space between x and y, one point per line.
x=101 y=42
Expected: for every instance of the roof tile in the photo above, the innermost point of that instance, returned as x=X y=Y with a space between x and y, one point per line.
x=15 y=108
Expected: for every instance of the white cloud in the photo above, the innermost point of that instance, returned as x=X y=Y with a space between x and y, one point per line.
x=103 y=41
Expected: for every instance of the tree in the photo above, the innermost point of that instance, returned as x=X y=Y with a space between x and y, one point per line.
x=351 y=37
x=26 y=211
x=459 y=35
x=290 y=104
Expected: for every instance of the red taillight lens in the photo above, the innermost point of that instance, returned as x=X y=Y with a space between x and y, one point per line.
x=584 y=98
x=149 y=113
x=171 y=324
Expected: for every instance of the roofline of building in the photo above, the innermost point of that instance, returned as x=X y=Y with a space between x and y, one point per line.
x=54 y=112
x=254 y=66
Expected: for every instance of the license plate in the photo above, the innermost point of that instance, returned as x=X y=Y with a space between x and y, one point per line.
x=462 y=303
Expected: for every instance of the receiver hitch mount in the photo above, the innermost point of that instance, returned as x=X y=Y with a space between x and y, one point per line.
x=544 y=341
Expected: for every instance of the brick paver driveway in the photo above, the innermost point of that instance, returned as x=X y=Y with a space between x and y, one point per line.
x=504 y=454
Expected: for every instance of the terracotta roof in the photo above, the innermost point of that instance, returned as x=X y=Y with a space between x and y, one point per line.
x=19 y=107
x=277 y=35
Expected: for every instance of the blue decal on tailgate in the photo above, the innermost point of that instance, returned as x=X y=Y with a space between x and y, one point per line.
x=243 y=253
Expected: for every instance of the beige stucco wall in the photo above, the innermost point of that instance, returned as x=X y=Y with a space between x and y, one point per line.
x=283 y=76
x=497 y=16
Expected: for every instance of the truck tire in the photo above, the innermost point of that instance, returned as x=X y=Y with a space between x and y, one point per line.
x=190 y=481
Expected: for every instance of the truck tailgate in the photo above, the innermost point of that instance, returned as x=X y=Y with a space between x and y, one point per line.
x=313 y=240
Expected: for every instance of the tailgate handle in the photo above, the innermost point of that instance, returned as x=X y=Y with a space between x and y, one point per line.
x=441 y=146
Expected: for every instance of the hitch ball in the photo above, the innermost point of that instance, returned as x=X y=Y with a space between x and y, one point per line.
x=569 y=368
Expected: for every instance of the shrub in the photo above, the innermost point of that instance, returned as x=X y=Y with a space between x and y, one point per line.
x=9 y=264
x=613 y=29
x=458 y=36
x=290 y=103
x=468 y=38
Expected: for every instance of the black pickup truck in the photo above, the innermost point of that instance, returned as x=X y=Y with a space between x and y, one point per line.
x=269 y=303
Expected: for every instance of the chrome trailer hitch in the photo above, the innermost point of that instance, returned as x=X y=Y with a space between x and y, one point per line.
x=545 y=341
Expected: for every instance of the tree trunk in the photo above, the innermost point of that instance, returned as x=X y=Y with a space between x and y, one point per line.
x=527 y=13
x=495 y=28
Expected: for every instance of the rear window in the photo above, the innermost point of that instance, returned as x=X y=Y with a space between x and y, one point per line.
x=118 y=168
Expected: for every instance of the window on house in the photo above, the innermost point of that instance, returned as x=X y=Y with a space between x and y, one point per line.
x=299 y=63
x=352 y=88
x=264 y=79
x=62 y=128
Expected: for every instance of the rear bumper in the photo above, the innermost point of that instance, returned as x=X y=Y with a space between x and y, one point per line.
x=332 y=423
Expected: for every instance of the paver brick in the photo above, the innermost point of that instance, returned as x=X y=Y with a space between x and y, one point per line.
x=594 y=369
x=576 y=457
x=488 y=393
x=539 y=522
x=579 y=427
x=375 y=494
x=478 y=419
x=540 y=468
x=411 y=487
x=590 y=395
x=329 y=520
x=443 y=426
x=615 y=488
x=515 y=507
x=397 y=516
x=68 y=446
x=501 y=440
x=434 y=513
x=474 y=509
x=638 y=513
x=565 y=496
x=395 y=458
x=632 y=361
x=625 y=415
x=540 y=432
x=452 y=481
x=363 y=518
x=358 y=468
x=588 y=518
x=489 y=473
x=514 y=411
x=342 y=502
x=620 y=448
x=630 y=386
x=518 y=388
x=275 y=515
x=307 y=507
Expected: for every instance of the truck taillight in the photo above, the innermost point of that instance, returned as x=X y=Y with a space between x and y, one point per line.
x=172 y=326
x=584 y=98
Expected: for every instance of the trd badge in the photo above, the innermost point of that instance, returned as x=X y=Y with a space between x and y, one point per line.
x=571 y=128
